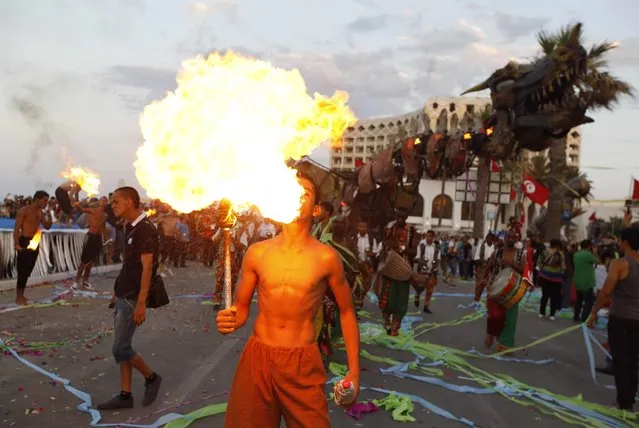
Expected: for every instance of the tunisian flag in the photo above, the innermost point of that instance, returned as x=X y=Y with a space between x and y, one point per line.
x=535 y=191
x=635 y=189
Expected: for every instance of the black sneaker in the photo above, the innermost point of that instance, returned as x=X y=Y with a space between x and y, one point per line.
x=151 y=390
x=117 y=402
x=416 y=302
x=426 y=310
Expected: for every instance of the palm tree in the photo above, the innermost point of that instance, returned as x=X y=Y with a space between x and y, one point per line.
x=572 y=172
x=483 y=181
x=597 y=89
x=538 y=167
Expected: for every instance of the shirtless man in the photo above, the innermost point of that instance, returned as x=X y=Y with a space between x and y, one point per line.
x=28 y=222
x=92 y=244
x=280 y=372
x=67 y=194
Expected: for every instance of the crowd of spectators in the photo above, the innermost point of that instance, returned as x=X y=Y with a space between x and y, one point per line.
x=13 y=203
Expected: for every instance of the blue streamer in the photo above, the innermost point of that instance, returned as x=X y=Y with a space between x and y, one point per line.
x=408 y=321
x=86 y=406
x=591 y=355
x=453 y=295
x=403 y=367
x=574 y=408
x=552 y=402
x=438 y=382
x=512 y=359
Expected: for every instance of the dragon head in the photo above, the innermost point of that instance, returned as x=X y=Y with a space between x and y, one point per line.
x=539 y=101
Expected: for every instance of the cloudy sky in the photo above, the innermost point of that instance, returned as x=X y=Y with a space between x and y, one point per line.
x=76 y=74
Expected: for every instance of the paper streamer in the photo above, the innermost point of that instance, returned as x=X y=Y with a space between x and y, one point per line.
x=86 y=406
x=205 y=412
x=588 y=339
x=570 y=410
x=424 y=403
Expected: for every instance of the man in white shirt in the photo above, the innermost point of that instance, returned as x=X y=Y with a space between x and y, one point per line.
x=366 y=244
x=427 y=263
x=367 y=250
x=485 y=250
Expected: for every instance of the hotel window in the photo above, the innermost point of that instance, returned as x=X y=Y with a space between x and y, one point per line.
x=467 y=210
x=442 y=207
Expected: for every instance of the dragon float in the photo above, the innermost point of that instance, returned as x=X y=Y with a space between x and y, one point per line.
x=533 y=104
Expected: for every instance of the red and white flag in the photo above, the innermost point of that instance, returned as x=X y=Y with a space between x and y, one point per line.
x=635 y=189
x=534 y=190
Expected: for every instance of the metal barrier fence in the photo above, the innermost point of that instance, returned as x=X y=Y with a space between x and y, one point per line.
x=60 y=251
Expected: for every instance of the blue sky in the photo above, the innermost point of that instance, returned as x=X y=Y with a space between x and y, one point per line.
x=76 y=74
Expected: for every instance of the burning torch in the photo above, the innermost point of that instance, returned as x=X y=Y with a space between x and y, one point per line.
x=226 y=220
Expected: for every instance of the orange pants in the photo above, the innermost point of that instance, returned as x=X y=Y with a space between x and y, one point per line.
x=271 y=382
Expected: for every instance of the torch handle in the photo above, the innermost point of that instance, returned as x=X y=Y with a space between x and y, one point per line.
x=228 y=295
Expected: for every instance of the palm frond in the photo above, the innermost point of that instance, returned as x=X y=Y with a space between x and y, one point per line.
x=600 y=49
x=547 y=41
x=604 y=89
x=538 y=166
x=572 y=172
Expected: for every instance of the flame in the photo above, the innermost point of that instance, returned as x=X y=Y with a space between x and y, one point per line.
x=35 y=241
x=87 y=180
x=489 y=131
x=150 y=212
x=227 y=131
x=468 y=136
x=418 y=141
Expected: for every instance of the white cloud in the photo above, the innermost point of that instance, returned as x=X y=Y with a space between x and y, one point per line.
x=483 y=49
x=473 y=29
x=227 y=8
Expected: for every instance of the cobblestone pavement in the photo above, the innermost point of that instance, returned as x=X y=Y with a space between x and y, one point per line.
x=181 y=343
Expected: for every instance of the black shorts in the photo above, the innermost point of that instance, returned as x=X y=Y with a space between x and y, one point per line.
x=91 y=248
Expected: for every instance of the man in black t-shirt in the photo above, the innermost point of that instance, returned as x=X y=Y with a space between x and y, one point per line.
x=139 y=267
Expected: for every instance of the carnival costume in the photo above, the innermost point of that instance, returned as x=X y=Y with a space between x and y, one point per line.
x=394 y=293
x=367 y=267
x=327 y=322
x=502 y=318
x=428 y=264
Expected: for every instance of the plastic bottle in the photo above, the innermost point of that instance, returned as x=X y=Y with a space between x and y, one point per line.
x=343 y=392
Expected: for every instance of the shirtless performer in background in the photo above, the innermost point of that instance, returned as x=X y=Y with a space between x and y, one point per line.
x=280 y=372
x=28 y=222
x=92 y=243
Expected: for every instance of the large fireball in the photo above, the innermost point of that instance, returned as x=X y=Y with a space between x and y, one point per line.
x=227 y=131
x=87 y=180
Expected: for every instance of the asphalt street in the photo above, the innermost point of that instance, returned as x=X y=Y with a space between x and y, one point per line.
x=197 y=364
